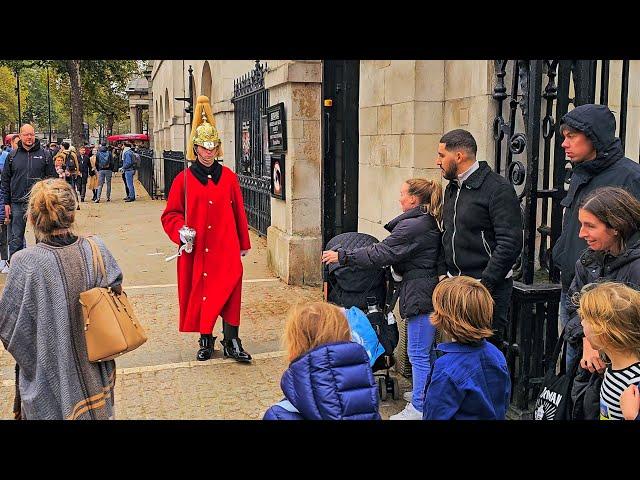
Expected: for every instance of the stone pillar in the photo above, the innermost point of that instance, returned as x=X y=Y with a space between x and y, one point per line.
x=294 y=238
x=133 y=115
x=401 y=122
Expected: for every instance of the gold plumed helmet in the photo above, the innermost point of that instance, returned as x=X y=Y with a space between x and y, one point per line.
x=203 y=129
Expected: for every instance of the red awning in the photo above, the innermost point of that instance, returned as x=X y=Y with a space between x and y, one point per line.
x=128 y=136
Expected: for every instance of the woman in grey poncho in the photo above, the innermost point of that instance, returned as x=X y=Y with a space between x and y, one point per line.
x=40 y=315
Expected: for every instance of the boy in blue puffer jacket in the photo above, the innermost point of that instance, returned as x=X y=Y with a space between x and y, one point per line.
x=329 y=377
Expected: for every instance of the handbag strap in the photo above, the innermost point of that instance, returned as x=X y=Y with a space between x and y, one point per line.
x=98 y=261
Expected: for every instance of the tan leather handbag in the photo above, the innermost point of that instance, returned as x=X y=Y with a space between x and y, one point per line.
x=110 y=326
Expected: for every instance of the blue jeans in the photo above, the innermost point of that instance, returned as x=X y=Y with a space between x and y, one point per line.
x=420 y=335
x=104 y=176
x=128 y=175
x=572 y=352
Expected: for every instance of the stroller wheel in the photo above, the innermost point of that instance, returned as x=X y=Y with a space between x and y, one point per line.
x=382 y=388
x=395 y=389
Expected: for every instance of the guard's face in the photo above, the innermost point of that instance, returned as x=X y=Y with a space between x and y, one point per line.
x=578 y=147
x=207 y=156
x=598 y=235
x=447 y=161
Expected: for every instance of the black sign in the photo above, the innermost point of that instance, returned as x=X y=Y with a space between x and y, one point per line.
x=277 y=128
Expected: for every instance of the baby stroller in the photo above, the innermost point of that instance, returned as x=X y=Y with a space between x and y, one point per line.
x=374 y=292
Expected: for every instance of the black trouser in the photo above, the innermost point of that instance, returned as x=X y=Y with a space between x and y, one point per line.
x=74 y=182
x=5 y=235
x=18 y=226
x=83 y=185
x=501 y=295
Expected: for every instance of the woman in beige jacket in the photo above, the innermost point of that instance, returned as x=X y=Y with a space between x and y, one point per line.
x=92 y=183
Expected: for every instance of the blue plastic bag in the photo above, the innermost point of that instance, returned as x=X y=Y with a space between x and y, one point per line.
x=363 y=333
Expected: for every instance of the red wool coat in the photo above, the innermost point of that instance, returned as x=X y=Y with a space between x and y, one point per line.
x=210 y=277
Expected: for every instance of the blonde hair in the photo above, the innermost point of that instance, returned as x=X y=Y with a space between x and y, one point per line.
x=429 y=193
x=463 y=309
x=612 y=311
x=52 y=207
x=313 y=324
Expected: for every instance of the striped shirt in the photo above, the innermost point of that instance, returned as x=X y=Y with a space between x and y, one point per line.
x=615 y=382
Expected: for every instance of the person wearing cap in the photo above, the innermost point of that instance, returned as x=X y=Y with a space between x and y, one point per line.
x=206 y=197
x=597 y=160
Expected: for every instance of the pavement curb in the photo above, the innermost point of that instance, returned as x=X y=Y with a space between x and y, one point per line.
x=173 y=366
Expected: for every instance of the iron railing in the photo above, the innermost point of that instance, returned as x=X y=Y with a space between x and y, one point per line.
x=250 y=100
x=146 y=173
x=173 y=164
x=528 y=151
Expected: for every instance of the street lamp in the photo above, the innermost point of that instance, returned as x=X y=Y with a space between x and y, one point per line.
x=49 y=102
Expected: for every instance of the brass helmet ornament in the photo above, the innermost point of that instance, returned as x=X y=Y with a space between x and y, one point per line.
x=203 y=129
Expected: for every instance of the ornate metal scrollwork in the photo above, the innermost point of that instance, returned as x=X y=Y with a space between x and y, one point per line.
x=517 y=173
x=517 y=143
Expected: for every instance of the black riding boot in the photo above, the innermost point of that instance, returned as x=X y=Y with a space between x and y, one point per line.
x=232 y=346
x=206 y=347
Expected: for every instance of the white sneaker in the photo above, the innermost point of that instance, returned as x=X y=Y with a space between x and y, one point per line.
x=5 y=269
x=408 y=396
x=409 y=413
x=3 y=263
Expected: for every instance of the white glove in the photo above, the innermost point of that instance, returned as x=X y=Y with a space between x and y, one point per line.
x=243 y=252
x=182 y=238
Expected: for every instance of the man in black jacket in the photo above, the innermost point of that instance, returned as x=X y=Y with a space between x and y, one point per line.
x=84 y=170
x=597 y=160
x=482 y=222
x=25 y=166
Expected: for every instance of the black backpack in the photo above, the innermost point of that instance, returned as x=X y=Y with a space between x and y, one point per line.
x=71 y=163
x=554 y=401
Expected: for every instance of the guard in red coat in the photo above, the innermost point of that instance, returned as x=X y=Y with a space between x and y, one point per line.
x=213 y=234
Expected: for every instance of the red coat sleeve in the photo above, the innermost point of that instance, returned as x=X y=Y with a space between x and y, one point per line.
x=173 y=216
x=241 y=217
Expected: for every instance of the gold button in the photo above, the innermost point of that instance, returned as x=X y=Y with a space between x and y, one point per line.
x=210 y=202
x=205 y=274
x=208 y=176
x=206 y=250
x=204 y=298
x=209 y=226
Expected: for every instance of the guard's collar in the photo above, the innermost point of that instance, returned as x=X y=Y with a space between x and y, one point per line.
x=204 y=174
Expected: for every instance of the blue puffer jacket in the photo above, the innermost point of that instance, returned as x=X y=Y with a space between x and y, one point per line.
x=331 y=382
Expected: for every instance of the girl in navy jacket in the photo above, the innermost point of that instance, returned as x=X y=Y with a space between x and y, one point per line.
x=329 y=377
x=470 y=380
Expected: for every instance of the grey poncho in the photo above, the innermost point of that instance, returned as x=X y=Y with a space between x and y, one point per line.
x=41 y=327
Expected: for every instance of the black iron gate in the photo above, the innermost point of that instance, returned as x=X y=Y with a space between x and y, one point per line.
x=173 y=164
x=250 y=100
x=528 y=152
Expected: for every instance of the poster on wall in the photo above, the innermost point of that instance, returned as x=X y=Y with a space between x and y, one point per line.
x=277 y=127
x=277 y=177
x=246 y=146
x=266 y=156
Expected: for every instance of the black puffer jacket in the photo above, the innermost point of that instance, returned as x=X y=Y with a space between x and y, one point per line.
x=482 y=226
x=414 y=250
x=24 y=169
x=610 y=168
x=594 y=267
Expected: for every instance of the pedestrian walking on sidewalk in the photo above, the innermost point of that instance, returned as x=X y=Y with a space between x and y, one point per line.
x=92 y=182
x=24 y=166
x=128 y=170
x=414 y=250
x=210 y=277
x=329 y=376
x=105 y=166
x=72 y=169
x=4 y=229
x=85 y=165
x=41 y=323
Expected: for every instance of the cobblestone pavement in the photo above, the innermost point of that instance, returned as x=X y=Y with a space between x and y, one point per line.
x=161 y=379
